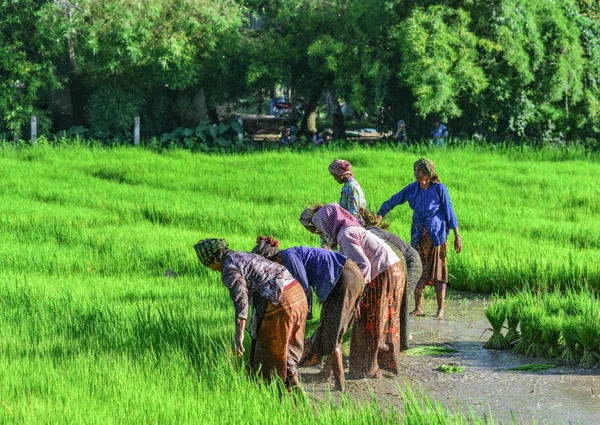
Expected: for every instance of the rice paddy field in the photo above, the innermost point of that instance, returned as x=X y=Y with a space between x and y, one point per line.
x=92 y=332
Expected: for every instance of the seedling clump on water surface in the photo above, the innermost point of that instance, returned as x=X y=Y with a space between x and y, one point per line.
x=512 y=320
x=451 y=368
x=496 y=314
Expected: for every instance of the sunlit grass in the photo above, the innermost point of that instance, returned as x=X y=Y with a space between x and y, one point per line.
x=91 y=331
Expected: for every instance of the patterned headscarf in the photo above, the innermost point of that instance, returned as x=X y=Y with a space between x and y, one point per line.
x=306 y=218
x=341 y=168
x=266 y=247
x=211 y=251
x=332 y=218
x=428 y=167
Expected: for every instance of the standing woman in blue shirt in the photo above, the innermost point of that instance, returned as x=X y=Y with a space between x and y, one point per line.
x=433 y=217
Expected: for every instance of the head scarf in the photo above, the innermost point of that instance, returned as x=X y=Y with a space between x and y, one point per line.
x=428 y=167
x=306 y=218
x=211 y=251
x=332 y=218
x=341 y=168
x=266 y=247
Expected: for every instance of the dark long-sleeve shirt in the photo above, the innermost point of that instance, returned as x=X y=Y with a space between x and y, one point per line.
x=243 y=273
x=432 y=211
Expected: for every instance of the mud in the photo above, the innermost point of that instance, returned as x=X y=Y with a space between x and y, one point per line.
x=564 y=394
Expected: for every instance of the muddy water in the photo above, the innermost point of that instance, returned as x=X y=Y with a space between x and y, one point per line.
x=566 y=395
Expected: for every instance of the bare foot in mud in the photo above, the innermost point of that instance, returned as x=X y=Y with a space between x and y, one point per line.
x=416 y=313
x=376 y=375
x=440 y=315
x=324 y=375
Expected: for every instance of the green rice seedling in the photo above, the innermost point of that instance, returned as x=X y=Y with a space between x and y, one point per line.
x=534 y=367
x=570 y=354
x=496 y=315
x=553 y=302
x=428 y=350
x=551 y=331
x=588 y=335
x=451 y=368
x=534 y=329
x=512 y=320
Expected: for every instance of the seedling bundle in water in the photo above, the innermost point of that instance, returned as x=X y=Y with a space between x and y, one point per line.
x=496 y=314
x=561 y=326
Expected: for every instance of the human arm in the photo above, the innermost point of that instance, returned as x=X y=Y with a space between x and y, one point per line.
x=398 y=199
x=239 y=337
x=457 y=241
x=449 y=216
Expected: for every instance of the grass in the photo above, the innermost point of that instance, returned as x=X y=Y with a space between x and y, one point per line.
x=91 y=331
x=428 y=350
x=534 y=367
x=496 y=314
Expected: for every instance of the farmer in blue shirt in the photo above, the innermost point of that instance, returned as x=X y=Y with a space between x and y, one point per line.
x=433 y=217
x=338 y=283
x=439 y=132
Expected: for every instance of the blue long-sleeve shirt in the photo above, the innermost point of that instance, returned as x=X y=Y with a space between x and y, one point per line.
x=432 y=211
x=314 y=267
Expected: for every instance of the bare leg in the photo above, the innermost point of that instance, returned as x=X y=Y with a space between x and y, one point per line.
x=418 y=311
x=295 y=383
x=441 y=295
x=327 y=369
x=337 y=362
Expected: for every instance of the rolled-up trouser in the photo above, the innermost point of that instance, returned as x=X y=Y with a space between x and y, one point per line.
x=414 y=269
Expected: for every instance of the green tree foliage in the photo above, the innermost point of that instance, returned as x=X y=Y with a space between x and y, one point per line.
x=26 y=68
x=502 y=68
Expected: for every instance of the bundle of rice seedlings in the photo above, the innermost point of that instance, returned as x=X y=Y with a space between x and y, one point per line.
x=534 y=367
x=534 y=332
x=496 y=314
x=588 y=336
x=553 y=303
x=572 y=302
x=570 y=355
x=512 y=320
x=551 y=330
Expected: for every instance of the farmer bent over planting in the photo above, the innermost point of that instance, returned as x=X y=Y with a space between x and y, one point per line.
x=338 y=283
x=279 y=305
x=375 y=339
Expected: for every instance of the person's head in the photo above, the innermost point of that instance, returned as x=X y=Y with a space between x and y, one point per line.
x=306 y=218
x=211 y=253
x=341 y=170
x=321 y=132
x=370 y=219
x=267 y=247
x=424 y=169
x=401 y=125
x=436 y=122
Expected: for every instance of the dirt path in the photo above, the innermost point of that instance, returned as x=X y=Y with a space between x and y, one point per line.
x=560 y=395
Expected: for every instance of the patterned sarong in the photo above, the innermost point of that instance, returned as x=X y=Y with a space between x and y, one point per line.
x=280 y=341
x=338 y=310
x=376 y=333
x=435 y=266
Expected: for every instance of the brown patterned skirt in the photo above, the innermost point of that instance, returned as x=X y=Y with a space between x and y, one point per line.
x=280 y=339
x=338 y=310
x=376 y=334
x=435 y=266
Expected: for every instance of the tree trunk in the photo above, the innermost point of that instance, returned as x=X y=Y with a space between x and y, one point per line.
x=339 y=123
x=259 y=102
x=309 y=121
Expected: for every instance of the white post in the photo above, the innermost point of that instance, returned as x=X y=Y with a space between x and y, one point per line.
x=241 y=135
x=33 y=129
x=136 y=131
